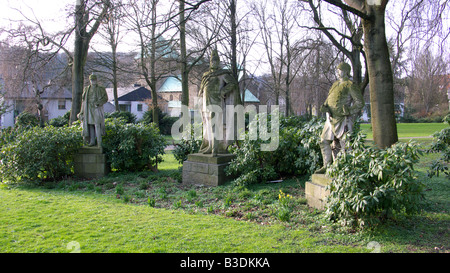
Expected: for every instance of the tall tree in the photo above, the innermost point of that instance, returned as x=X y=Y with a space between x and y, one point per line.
x=112 y=33
x=281 y=45
x=82 y=39
x=428 y=83
x=158 y=56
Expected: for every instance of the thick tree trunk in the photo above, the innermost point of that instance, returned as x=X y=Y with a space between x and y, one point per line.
x=381 y=79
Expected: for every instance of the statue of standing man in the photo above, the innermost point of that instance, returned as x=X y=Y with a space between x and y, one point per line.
x=92 y=113
x=343 y=103
x=215 y=87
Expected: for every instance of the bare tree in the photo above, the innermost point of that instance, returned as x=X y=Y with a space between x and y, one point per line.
x=347 y=40
x=428 y=83
x=277 y=22
x=111 y=32
x=30 y=66
x=157 y=54
x=188 y=60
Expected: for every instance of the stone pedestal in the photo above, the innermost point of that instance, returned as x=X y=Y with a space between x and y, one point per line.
x=90 y=162
x=206 y=170
x=315 y=190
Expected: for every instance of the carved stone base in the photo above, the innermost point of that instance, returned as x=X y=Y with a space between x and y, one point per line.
x=315 y=191
x=206 y=170
x=90 y=162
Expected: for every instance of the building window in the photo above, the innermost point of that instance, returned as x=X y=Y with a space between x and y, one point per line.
x=139 y=107
x=125 y=107
x=61 y=104
x=171 y=98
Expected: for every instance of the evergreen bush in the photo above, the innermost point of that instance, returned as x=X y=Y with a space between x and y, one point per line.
x=60 y=121
x=26 y=119
x=370 y=185
x=132 y=147
x=187 y=145
x=40 y=154
x=441 y=144
x=128 y=117
x=165 y=121
x=298 y=153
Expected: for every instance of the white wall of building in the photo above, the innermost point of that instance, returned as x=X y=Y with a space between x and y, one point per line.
x=52 y=110
x=134 y=108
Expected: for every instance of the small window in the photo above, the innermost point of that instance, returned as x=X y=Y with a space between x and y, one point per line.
x=171 y=98
x=125 y=107
x=139 y=107
x=61 y=104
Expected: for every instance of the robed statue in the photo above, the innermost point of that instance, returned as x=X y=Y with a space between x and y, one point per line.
x=216 y=92
x=92 y=114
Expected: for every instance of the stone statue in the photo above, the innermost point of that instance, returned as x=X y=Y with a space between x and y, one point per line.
x=344 y=101
x=215 y=90
x=92 y=114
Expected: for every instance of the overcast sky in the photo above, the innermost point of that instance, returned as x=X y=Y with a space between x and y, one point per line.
x=50 y=12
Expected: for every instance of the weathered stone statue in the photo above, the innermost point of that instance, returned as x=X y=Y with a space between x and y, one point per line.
x=344 y=101
x=215 y=90
x=92 y=113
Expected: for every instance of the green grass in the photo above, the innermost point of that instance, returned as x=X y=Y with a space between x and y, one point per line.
x=37 y=220
x=410 y=130
x=50 y=218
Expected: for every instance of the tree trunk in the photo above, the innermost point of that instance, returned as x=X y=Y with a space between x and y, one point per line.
x=78 y=64
x=234 y=67
x=381 y=79
x=82 y=40
x=153 y=68
x=183 y=62
x=114 y=71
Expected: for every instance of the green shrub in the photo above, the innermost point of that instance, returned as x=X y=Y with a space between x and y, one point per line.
x=165 y=121
x=26 y=119
x=441 y=144
x=298 y=153
x=370 y=185
x=128 y=117
x=132 y=147
x=60 y=121
x=10 y=134
x=40 y=153
x=187 y=145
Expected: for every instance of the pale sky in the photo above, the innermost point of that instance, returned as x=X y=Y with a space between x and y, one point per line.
x=50 y=12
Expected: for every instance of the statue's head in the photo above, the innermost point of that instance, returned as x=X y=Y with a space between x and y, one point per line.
x=344 y=70
x=215 y=59
x=93 y=77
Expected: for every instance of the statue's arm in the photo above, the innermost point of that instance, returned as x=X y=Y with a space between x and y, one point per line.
x=358 y=100
x=229 y=85
x=103 y=97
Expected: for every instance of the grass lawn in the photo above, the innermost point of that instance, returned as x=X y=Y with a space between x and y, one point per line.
x=153 y=212
x=410 y=130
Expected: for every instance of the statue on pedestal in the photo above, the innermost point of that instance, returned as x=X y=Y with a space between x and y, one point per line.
x=344 y=102
x=92 y=114
x=215 y=90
